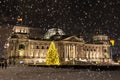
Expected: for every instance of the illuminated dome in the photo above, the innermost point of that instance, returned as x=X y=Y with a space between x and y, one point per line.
x=52 y=32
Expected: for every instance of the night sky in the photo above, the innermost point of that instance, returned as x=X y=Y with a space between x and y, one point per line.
x=73 y=16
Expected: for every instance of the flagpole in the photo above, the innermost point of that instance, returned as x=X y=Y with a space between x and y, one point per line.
x=111 y=46
x=111 y=52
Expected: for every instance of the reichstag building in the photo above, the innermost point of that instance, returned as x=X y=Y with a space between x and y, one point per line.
x=29 y=46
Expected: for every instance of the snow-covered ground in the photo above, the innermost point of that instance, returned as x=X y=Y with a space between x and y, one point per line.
x=42 y=73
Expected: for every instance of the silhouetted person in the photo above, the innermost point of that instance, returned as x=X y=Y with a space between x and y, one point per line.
x=2 y=64
x=5 y=63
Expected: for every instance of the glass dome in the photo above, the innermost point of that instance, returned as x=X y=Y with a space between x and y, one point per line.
x=52 y=32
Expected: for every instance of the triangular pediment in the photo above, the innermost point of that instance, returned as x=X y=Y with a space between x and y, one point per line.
x=72 y=38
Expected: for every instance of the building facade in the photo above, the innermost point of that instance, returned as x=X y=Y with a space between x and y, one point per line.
x=24 y=49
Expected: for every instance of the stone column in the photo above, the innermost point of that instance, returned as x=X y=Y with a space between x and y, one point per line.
x=25 y=51
x=30 y=50
x=14 y=45
x=28 y=54
x=91 y=54
x=64 y=51
x=96 y=54
x=81 y=52
x=69 y=51
x=100 y=54
x=39 y=53
x=74 y=51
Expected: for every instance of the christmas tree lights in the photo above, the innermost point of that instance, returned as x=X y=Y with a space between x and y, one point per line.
x=52 y=57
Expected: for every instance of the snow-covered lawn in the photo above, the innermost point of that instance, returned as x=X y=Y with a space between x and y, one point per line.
x=42 y=73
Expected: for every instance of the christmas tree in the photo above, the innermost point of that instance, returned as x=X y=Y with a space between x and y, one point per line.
x=52 y=57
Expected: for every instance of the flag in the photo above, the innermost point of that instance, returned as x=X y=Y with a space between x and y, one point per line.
x=19 y=19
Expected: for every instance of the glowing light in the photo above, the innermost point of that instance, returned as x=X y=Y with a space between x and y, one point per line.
x=19 y=19
x=52 y=57
x=107 y=55
x=21 y=53
x=71 y=51
x=112 y=42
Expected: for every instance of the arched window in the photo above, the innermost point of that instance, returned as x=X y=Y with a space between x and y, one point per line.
x=42 y=47
x=105 y=50
x=37 y=47
x=47 y=47
x=21 y=46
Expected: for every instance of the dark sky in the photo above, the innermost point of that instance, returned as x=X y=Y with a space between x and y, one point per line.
x=73 y=16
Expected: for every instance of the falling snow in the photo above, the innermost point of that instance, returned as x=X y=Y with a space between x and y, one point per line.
x=41 y=73
x=75 y=16
x=88 y=17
